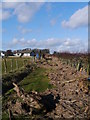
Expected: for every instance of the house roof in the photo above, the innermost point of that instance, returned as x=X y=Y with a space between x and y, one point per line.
x=45 y=51
x=22 y=51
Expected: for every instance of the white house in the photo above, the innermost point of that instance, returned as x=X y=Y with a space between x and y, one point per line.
x=23 y=53
x=26 y=54
x=2 y=54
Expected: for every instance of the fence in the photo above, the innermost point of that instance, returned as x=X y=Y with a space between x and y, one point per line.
x=79 y=65
x=12 y=64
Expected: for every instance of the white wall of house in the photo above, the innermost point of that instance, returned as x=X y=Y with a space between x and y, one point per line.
x=26 y=54
x=2 y=55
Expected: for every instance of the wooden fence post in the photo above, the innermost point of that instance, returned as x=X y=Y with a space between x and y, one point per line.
x=23 y=63
x=5 y=65
x=16 y=64
x=11 y=64
x=88 y=70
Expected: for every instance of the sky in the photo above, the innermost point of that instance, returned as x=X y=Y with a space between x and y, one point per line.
x=45 y=0
x=61 y=26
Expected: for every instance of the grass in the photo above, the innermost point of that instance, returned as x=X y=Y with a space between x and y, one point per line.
x=37 y=81
x=5 y=116
x=12 y=60
x=11 y=91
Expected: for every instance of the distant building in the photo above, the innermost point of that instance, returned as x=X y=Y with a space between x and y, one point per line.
x=22 y=53
x=41 y=51
x=9 y=53
x=17 y=54
x=28 y=52
x=2 y=53
x=45 y=51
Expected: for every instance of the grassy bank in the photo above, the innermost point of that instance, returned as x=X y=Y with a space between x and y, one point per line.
x=37 y=81
x=16 y=77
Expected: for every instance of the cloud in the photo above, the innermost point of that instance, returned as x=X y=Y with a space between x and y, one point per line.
x=26 y=14
x=15 y=41
x=5 y=12
x=55 y=19
x=11 y=5
x=48 y=7
x=24 y=11
x=53 y=22
x=78 y=19
x=4 y=15
x=54 y=44
x=3 y=30
x=73 y=45
x=24 y=30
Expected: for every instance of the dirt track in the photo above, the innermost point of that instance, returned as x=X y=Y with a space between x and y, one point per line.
x=70 y=86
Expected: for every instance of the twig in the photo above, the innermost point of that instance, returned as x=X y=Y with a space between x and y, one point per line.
x=9 y=111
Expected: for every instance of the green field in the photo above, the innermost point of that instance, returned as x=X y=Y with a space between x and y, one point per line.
x=11 y=64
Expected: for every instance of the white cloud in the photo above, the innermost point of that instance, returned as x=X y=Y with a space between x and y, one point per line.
x=12 y=5
x=73 y=45
x=4 y=15
x=48 y=7
x=15 y=41
x=24 y=30
x=78 y=19
x=53 y=22
x=54 y=44
x=24 y=11
x=55 y=19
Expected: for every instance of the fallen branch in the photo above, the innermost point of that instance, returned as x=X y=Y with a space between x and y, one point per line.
x=73 y=80
x=16 y=88
x=68 y=81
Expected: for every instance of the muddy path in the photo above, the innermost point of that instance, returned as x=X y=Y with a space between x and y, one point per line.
x=72 y=89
